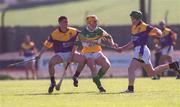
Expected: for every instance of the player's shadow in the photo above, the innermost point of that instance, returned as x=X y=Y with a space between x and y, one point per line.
x=66 y=93
x=60 y=93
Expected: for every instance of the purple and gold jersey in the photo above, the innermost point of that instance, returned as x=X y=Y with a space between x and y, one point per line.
x=141 y=32
x=168 y=37
x=28 y=49
x=60 y=41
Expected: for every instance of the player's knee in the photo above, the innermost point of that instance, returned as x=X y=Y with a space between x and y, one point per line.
x=107 y=66
x=51 y=64
x=82 y=60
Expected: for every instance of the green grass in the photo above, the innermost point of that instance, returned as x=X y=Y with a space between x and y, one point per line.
x=110 y=12
x=149 y=93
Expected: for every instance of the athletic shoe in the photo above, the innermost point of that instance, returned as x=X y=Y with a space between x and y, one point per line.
x=51 y=88
x=178 y=77
x=155 y=78
x=175 y=66
x=101 y=89
x=128 y=91
x=75 y=81
x=57 y=87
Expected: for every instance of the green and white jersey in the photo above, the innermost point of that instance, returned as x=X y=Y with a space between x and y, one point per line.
x=94 y=36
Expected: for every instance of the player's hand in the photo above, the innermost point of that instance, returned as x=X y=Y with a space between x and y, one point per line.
x=115 y=45
x=119 y=49
x=157 y=48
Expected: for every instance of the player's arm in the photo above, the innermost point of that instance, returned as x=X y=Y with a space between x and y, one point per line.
x=108 y=37
x=35 y=51
x=75 y=46
x=21 y=52
x=126 y=47
x=174 y=37
x=156 y=44
x=155 y=32
x=47 y=44
x=73 y=51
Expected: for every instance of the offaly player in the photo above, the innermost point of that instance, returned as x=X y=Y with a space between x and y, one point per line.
x=140 y=32
x=93 y=52
x=62 y=40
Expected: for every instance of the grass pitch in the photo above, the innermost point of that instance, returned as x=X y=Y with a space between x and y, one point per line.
x=148 y=93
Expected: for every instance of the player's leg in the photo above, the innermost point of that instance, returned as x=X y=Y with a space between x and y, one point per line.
x=157 y=62
x=161 y=68
x=134 y=65
x=70 y=69
x=56 y=59
x=169 y=59
x=80 y=59
x=178 y=76
x=165 y=59
x=33 y=69
x=92 y=65
x=104 y=63
x=27 y=70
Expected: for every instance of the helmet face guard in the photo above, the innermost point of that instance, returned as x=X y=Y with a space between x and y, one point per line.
x=136 y=15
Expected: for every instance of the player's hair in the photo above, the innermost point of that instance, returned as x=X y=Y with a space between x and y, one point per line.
x=136 y=14
x=61 y=18
x=91 y=18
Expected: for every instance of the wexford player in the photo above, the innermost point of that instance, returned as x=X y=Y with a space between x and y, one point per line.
x=140 y=32
x=166 y=44
x=28 y=50
x=62 y=40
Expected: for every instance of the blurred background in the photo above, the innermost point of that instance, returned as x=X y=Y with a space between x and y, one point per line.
x=38 y=18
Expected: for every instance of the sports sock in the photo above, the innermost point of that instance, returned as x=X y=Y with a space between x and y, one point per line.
x=76 y=74
x=97 y=81
x=52 y=80
x=174 y=65
x=101 y=73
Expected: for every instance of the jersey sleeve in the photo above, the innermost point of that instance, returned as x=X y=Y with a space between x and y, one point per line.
x=153 y=31
x=173 y=36
x=49 y=42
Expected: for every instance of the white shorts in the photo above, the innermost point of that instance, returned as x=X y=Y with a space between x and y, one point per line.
x=26 y=58
x=146 y=57
x=97 y=55
x=94 y=55
x=64 y=55
x=168 y=50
